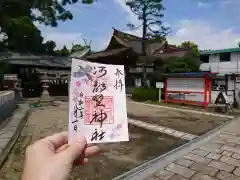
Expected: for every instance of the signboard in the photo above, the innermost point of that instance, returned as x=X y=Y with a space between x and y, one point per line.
x=221 y=98
x=194 y=97
x=179 y=96
x=159 y=85
x=184 y=96
x=185 y=84
x=185 y=89
x=189 y=90
x=231 y=84
x=238 y=79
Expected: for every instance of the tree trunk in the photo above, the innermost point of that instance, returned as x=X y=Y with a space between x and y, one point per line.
x=144 y=65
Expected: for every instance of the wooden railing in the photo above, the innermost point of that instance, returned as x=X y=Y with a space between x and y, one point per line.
x=7 y=104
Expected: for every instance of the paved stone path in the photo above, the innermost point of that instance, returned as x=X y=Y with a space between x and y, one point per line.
x=161 y=129
x=214 y=157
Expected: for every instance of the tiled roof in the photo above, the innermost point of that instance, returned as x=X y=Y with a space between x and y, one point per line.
x=207 y=52
x=135 y=42
x=40 y=60
x=106 y=53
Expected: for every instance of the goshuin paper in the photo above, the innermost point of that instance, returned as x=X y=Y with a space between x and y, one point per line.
x=97 y=102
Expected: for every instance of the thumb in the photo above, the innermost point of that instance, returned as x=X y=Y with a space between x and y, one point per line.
x=75 y=149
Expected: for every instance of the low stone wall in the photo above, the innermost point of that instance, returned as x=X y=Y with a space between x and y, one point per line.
x=7 y=104
x=11 y=130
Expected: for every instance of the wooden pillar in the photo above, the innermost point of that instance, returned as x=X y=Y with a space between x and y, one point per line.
x=205 y=93
x=210 y=90
x=165 y=92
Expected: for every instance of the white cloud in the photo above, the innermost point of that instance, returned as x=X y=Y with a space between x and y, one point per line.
x=64 y=38
x=203 y=33
x=203 y=4
x=132 y=18
x=59 y=37
x=225 y=2
x=206 y=35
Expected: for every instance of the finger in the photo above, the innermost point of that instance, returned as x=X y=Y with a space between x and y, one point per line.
x=65 y=146
x=90 y=145
x=75 y=149
x=62 y=148
x=57 y=140
x=80 y=161
x=85 y=161
x=91 y=151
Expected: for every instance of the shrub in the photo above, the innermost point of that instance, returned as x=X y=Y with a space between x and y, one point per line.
x=144 y=94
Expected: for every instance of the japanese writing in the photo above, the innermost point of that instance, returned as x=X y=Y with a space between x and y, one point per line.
x=78 y=111
x=98 y=135
x=102 y=71
x=99 y=115
x=118 y=82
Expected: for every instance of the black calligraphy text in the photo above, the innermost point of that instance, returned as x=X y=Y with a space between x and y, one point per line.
x=99 y=115
x=98 y=135
x=118 y=82
x=78 y=112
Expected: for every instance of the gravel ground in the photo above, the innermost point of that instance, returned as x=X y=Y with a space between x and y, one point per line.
x=187 y=122
x=115 y=158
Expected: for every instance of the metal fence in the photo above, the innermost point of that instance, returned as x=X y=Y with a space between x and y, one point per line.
x=7 y=104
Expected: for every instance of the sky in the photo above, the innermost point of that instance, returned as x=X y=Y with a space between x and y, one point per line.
x=212 y=24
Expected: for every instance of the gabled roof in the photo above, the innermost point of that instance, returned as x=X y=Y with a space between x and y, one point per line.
x=135 y=42
x=106 y=53
x=126 y=36
x=121 y=42
x=80 y=54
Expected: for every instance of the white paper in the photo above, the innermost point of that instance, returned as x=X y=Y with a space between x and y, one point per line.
x=97 y=102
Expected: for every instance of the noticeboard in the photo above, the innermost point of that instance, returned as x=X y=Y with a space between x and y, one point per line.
x=159 y=85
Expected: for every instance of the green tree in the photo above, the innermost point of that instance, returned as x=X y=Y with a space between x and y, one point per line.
x=49 y=47
x=192 y=45
x=187 y=63
x=150 y=13
x=49 y=12
x=78 y=47
x=63 y=52
x=23 y=36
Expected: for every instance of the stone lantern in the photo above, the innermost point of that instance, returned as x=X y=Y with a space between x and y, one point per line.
x=45 y=97
x=18 y=90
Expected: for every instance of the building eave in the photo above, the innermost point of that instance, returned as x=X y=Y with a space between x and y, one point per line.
x=218 y=51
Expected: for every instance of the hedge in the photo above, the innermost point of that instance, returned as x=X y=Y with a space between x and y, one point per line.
x=144 y=94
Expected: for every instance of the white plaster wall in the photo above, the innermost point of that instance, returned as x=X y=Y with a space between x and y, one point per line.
x=232 y=66
x=213 y=58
